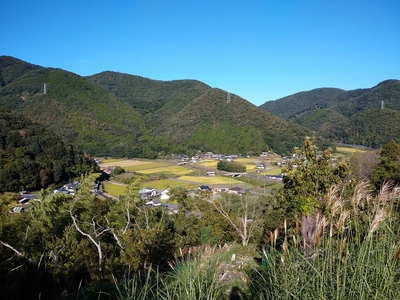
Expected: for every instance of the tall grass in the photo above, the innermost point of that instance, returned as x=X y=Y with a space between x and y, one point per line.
x=191 y=279
x=355 y=255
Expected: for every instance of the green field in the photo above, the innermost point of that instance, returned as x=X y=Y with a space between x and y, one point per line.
x=174 y=170
x=164 y=183
x=209 y=164
x=114 y=189
x=349 y=150
x=210 y=180
x=185 y=180
x=146 y=166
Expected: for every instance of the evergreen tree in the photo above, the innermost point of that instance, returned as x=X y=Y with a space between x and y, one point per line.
x=388 y=169
x=307 y=180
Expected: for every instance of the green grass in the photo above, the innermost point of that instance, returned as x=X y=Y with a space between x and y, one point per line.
x=355 y=255
x=114 y=189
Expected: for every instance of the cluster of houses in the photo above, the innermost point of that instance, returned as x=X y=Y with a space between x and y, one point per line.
x=198 y=157
x=155 y=198
x=24 y=198
x=68 y=189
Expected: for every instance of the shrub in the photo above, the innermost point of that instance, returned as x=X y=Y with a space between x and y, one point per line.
x=230 y=166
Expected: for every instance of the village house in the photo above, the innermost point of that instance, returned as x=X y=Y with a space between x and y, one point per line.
x=147 y=193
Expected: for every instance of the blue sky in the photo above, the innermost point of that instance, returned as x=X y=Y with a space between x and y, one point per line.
x=259 y=50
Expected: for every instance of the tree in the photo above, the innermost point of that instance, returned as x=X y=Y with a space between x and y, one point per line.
x=307 y=180
x=363 y=163
x=388 y=169
x=242 y=213
x=230 y=166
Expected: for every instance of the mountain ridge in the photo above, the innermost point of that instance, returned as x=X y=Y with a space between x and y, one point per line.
x=118 y=114
x=352 y=117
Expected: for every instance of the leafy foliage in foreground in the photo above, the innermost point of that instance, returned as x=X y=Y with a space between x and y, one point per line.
x=85 y=246
x=33 y=158
x=388 y=169
x=356 y=254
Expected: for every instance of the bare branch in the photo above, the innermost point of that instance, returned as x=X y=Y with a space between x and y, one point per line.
x=14 y=250
x=229 y=219
x=128 y=221
x=97 y=244
x=16 y=268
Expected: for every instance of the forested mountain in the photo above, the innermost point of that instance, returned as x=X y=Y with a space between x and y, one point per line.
x=192 y=115
x=150 y=96
x=32 y=157
x=210 y=122
x=74 y=108
x=125 y=115
x=354 y=117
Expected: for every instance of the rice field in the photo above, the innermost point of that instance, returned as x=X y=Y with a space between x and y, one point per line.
x=164 y=183
x=114 y=189
x=209 y=180
x=247 y=160
x=185 y=180
x=349 y=150
x=174 y=170
x=209 y=163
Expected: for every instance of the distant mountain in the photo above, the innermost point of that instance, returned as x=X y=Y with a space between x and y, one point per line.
x=189 y=112
x=353 y=117
x=147 y=95
x=119 y=114
x=210 y=122
x=74 y=108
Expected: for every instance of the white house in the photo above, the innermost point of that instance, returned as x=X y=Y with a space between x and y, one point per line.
x=165 y=195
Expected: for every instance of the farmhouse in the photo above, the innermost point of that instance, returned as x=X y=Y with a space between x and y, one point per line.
x=147 y=193
x=165 y=195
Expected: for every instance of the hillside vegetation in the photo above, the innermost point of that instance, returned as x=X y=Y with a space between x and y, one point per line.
x=32 y=157
x=353 y=117
x=114 y=114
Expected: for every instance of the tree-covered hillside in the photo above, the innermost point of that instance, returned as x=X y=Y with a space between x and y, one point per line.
x=114 y=114
x=73 y=108
x=210 y=122
x=353 y=117
x=149 y=96
x=32 y=157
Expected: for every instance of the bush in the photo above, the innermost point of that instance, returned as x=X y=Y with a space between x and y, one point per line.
x=230 y=166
